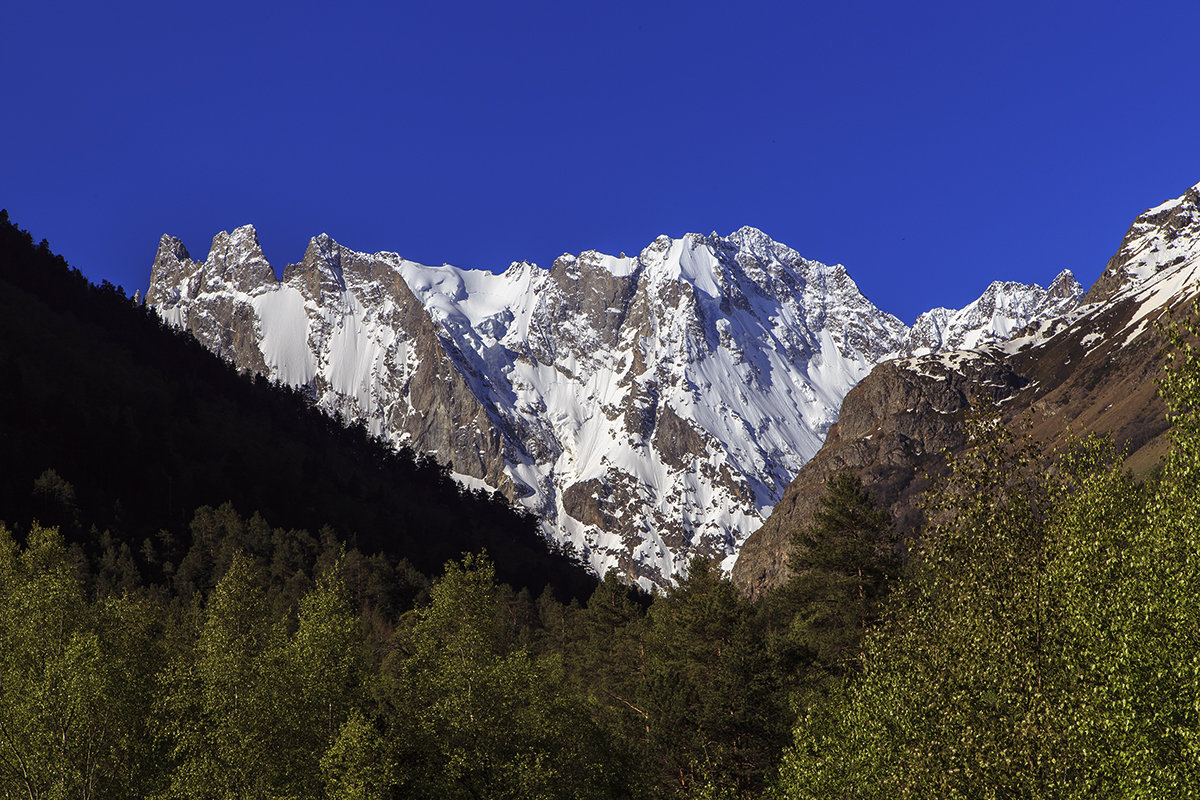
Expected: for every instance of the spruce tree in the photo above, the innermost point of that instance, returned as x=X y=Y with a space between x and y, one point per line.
x=715 y=712
x=841 y=565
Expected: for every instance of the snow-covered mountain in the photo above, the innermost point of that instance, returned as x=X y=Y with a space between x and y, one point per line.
x=646 y=408
x=1003 y=309
x=1159 y=240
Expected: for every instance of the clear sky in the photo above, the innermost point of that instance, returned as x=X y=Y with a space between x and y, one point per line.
x=929 y=147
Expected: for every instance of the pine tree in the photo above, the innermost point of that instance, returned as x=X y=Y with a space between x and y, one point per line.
x=715 y=712
x=841 y=566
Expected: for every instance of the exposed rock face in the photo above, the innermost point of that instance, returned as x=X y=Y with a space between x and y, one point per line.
x=647 y=408
x=665 y=400
x=893 y=429
x=235 y=262
x=1093 y=369
x=340 y=323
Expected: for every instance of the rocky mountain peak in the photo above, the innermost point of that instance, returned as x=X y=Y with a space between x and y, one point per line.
x=323 y=251
x=1004 y=308
x=729 y=269
x=756 y=242
x=171 y=249
x=172 y=266
x=236 y=259
x=1064 y=286
x=655 y=251
x=518 y=269
x=1073 y=370
x=1160 y=237
x=324 y=246
x=320 y=269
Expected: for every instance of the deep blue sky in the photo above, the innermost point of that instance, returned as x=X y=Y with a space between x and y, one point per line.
x=929 y=147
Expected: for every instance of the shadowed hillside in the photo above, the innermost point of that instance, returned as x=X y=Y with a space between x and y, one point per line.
x=140 y=426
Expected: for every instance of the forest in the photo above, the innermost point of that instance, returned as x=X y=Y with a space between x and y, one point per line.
x=1039 y=638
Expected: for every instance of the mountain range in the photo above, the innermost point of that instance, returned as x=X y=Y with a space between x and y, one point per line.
x=647 y=408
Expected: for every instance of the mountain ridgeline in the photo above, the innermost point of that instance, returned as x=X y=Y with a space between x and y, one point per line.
x=647 y=409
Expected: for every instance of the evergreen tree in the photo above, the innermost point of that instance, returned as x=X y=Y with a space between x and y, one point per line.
x=841 y=567
x=1045 y=646
x=714 y=709
x=473 y=717
x=607 y=658
x=953 y=694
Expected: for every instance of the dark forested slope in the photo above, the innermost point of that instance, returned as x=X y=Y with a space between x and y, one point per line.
x=140 y=426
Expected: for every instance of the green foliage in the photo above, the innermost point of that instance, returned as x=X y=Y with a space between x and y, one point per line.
x=74 y=678
x=251 y=710
x=358 y=766
x=607 y=658
x=957 y=692
x=1046 y=645
x=1163 y=608
x=473 y=717
x=54 y=501
x=220 y=711
x=841 y=566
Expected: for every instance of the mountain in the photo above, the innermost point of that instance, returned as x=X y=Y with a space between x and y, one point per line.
x=1093 y=369
x=647 y=408
x=1004 y=308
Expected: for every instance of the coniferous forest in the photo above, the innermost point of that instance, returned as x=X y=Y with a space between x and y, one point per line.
x=209 y=589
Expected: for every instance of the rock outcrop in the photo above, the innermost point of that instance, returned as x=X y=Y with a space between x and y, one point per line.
x=893 y=430
x=341 y=324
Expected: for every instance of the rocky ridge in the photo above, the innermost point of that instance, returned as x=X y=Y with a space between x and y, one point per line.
x=646 y=408
x=340 y=323
x=1092 y=369
x=1004 y=308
